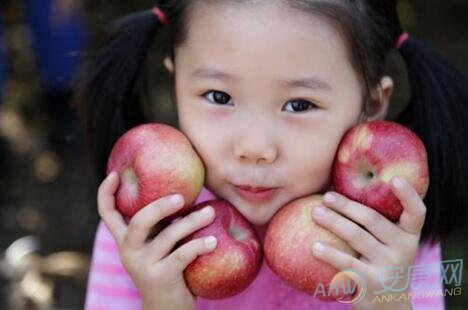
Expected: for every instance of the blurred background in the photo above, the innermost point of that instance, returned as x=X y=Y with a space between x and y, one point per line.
x=47 y=187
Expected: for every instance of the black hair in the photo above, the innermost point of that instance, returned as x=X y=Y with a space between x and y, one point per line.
x=114 y=84
x=437 y=110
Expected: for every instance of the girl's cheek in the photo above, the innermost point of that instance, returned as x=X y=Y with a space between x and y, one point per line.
x=317 y=170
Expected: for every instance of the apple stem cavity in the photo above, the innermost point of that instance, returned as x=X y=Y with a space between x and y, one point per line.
x=365 y=178
x=369 y=175
x=130 y=182
x=365 y=175
x=238 y=233
x=129 y=176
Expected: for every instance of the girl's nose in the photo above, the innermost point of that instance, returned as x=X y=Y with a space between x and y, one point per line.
x=257 y=157
x=255 y=149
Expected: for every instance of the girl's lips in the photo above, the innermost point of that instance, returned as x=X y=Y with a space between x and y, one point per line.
x=255 y=194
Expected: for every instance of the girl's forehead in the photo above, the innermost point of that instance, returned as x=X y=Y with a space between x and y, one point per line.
x=261 y=36
x=232 y=27
x=273 y=17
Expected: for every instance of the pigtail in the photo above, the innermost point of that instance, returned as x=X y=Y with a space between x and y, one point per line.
x=114 y=84
x=438 y=113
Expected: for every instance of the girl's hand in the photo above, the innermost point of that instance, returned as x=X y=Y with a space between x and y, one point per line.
x=155 y=265
x=380 y=242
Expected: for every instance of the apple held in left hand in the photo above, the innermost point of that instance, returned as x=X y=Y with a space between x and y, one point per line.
x=292 y=242
x=383 y=166
x=289 y=238
x=380 y=176
x=379 y=241
x=370 y=155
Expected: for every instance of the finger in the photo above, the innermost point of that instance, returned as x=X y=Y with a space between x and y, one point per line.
x=168 y=237
x=414 y=210
x=377 y=224
x=143 y=221
x=358 y=238
x=178 y=260
x=351 y=270
x=106 y=206
x=338 y=259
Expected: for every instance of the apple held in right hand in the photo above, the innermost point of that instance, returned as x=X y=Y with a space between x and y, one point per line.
x=235 y=262
x=370 y=155
x=155 y=160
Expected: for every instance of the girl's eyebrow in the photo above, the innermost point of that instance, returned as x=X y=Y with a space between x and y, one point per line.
x=210 y=73
x=312 y=82
x=308 y=82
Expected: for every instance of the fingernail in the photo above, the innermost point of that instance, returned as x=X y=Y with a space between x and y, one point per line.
x=177 y=199
x=206 y=211
x=329 y=197
x=318 y=211
x=318 y=248
x=111 y=175
x=210 y=242
x=397 y=183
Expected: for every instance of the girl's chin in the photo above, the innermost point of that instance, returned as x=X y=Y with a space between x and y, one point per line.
x=257 y=215
x=258 y=222
x=256 y=219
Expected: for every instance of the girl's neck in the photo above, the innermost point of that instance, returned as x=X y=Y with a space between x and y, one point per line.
x=261 y=230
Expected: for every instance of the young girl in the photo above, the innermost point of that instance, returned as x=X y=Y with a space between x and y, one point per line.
x=265 y=90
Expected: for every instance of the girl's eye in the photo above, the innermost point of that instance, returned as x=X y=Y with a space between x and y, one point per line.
x=299 y=105
x=218 y=97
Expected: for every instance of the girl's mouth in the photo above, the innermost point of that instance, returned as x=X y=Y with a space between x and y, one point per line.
x=255 y=194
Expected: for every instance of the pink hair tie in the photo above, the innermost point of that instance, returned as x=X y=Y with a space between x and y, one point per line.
x=402 y=39
x=159 y=14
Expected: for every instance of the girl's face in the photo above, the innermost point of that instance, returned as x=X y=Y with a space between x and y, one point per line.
x=265 y=95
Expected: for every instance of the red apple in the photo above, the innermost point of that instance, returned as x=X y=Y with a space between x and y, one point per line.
x=370 y=155
x=234 y=264
x=155 y=160
x=289 y=238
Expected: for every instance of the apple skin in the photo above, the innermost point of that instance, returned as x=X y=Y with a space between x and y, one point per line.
x=155 y=160
x=289 y=238
x=370 y=155
x=232 y=266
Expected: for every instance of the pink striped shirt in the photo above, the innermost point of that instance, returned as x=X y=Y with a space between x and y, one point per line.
x=110 y=286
